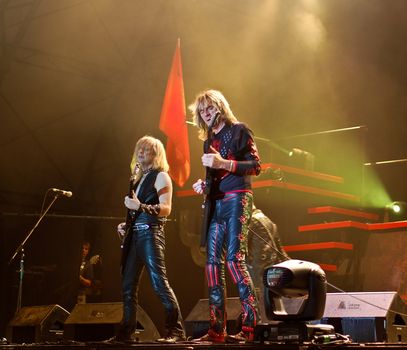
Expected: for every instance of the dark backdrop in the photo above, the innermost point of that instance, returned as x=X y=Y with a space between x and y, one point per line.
x=81 y=81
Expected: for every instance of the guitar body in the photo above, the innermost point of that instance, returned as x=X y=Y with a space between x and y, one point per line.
x=130 y=214
x=129 y=221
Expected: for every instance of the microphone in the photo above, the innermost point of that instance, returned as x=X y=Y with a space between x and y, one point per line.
x=64 y=193
x=214 y=121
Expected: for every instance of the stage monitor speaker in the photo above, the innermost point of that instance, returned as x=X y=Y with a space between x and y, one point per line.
x=35 y=324
x=100 y=321
x=197 y=322
x=367 y=316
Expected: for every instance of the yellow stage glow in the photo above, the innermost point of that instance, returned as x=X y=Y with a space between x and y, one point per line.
x=311 y=29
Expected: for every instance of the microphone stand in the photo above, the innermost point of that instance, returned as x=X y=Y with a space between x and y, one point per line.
x=20 y=249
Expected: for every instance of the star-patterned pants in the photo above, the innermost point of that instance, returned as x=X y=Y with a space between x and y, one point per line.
x=227 y=245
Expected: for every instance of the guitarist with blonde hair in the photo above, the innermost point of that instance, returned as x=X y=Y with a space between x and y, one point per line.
x=231 y=158
x=149 y=203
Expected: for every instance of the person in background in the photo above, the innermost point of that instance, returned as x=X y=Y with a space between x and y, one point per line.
x=85 y=275
x=265 y=249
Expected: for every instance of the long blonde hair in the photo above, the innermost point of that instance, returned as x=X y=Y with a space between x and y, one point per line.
x=160 y=162
x=210 y=97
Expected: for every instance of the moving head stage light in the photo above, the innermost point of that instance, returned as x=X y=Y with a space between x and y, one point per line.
x=299 y=281
x=295 y=279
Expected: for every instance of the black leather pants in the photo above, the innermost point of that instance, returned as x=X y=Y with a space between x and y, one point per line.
x=146 y=250
x=227 y=243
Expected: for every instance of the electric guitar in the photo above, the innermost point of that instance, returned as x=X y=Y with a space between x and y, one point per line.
x=130 y=217
x=207 y=205
x=130 y=213
x=207 y=209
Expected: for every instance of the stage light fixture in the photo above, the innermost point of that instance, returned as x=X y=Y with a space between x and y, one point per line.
x=302 y=158
x=395 y=211
x=304 y=283
x=295 y=279
x=396 y=207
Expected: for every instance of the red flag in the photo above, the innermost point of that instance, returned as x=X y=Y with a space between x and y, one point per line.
x=173 y=122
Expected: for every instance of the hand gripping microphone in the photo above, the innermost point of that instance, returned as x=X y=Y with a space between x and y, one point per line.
x=64 y=193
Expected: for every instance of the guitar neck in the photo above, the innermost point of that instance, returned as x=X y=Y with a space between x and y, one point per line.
x=130 y=194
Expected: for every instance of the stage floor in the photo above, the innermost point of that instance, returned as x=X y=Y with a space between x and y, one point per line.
x=201 y=346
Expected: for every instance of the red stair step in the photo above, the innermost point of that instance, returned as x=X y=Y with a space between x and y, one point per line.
x=333 y=225
x=392 y=226
x=318 y=246
x=345 y=212
x=328 y=267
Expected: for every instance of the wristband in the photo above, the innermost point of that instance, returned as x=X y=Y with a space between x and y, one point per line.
x=230 y=166
x=152 y=209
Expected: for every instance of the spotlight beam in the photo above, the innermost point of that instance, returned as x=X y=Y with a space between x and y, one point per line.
x=325 y=132
x=383 y=162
